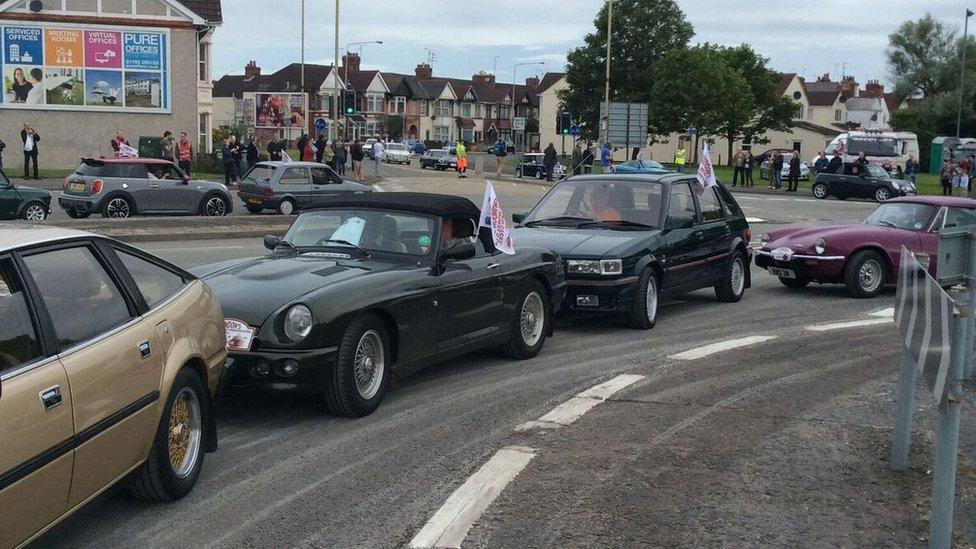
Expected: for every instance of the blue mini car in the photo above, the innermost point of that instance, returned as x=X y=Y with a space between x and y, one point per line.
x=641 y=166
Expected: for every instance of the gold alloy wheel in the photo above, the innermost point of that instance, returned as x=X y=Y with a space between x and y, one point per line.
x=184 y=433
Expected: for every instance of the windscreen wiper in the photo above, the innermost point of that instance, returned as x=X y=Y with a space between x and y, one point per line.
x=620 y=223
x=560 y=219
x=345 y=243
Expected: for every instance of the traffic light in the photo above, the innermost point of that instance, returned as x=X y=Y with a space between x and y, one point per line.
x=565 y=123
x=349 y=102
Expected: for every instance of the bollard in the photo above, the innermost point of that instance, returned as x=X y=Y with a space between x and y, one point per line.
x=946 y=448
x=902 y=436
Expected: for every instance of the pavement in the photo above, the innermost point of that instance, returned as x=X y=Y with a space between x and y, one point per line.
x=756 y=424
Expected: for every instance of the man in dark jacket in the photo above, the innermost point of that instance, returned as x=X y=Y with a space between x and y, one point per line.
x=836 y=164
x=274 y=151
x=820 y=166
x=549 y=161
x=30 y=138
x=588 y=158
x=320 y=145
x=794 y=177
x=776 y=165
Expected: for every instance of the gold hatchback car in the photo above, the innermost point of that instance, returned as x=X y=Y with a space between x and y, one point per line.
x=109 y=361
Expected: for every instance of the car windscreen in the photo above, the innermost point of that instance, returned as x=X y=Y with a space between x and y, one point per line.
x=437 y=153
x=872 y=146
x=260 y=174
x=372 y=230
x=95 y=169
x=605 y=203
x=902 y=215
x=878 y=171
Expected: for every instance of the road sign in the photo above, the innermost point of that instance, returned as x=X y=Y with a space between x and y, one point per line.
x=574 y=130
x=519 y=124
x=320 y=124
x=627 y=124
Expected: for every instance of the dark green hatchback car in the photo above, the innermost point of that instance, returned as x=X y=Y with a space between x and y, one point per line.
x=19 y=202
x=628 y=240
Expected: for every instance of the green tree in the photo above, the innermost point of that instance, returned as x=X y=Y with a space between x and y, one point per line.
x=643 y=32
x=916 y=53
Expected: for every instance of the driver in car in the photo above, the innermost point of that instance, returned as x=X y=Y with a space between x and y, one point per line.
x=450 y=230
x=383 y=234
x=602 y=207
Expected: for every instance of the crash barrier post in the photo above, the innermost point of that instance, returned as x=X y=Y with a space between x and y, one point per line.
x=903 y=418
x=479 y=164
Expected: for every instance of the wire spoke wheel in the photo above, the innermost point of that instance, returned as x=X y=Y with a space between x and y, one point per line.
x=738 y=276
x=185 y=432
x=532 y=319
x=650 y=299
x=369 y=364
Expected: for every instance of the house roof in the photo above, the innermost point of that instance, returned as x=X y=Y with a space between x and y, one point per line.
x=892 y=101
x=550 y=79
x=208 y=9
x=810 y=126
x=288 y=78
x=864 y=104
x=823 y=86
x=361 y=80
x=822 y=98
x=784 y=82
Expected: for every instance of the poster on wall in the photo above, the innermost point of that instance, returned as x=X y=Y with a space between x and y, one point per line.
x=279 y=110
x=84 y=67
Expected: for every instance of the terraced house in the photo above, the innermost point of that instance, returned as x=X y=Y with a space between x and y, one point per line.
x=433 y=109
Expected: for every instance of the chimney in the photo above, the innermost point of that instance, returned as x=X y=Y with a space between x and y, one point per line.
x=532 y=82
x=824 y=78
x=849 y=86
x=351 y=61
x=252 y=69
x=424 y=70
x=485 y=78
x=874 y=89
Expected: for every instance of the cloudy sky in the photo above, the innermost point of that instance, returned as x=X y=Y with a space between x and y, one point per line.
x=806 y=37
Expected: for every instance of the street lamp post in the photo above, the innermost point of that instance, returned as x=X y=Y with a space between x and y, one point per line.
x=962 y=71
x=345 y=72
x=335 y=77
x=606 y=97
x=514 y=80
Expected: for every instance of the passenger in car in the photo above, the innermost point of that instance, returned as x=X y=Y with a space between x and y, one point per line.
x=602 y=204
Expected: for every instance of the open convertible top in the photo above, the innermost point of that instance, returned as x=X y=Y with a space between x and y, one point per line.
x=441 y=205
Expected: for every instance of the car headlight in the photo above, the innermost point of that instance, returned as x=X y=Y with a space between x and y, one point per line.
x=606 y=267
x=820 y=246
x=298 y=323
x=895 y=184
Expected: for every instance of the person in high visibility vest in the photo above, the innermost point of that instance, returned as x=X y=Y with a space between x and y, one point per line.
x=679 y=159
x=462 y=159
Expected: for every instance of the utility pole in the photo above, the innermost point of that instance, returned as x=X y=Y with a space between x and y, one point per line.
x=494 y=64
x=606 y=97
x=304 y=96
x=962 y=72
x=335 y=76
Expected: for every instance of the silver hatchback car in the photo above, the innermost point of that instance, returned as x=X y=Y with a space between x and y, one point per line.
x=123 y=187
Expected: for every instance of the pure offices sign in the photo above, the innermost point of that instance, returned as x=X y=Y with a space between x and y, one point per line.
x=90 y=67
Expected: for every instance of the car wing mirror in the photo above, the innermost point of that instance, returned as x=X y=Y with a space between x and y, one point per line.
x=457 y=252
x=271 y=242
x=519 y=217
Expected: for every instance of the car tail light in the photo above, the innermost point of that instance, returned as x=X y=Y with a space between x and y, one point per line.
x=97 y=186
x=269 y=191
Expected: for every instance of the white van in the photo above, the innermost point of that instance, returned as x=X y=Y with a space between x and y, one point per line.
x=887 y=149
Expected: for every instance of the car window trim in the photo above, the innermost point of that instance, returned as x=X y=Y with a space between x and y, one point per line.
x=110 y=249
x=694 y=199
x=47 y=343
x=308 y=176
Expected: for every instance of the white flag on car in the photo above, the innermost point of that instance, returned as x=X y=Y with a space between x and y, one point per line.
x=493 y=218
x=125 y=151
x=706 y=175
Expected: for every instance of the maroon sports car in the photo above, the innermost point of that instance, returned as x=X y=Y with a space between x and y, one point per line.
x=863 y=257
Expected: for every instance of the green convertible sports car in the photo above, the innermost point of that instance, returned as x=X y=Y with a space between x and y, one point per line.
x=19 y=202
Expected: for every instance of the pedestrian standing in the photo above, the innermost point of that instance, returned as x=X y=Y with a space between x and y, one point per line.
x=237 y=154
x=911 y=169
x=184 y=152
x=302 y=141
x=747 y=164
x=462 y=159
x=227 y=159
x=378 y=151
x=577 y=160
x=549 y=161
x=794 y=176
x=679 y=158
x=588 y=158
x=836 y=164
x=251 y=153
x=274 y=150
x=820 y=166
x=308 y=152
x=118 y=141
x=500 y=150
x=341 y=151
x=169 y=146
x=861 y=164
x=606 y=158
x=776 y=171
x=945 y=178
x=30 y=138
x=356 y=152
x=320 y=147
x=964 y=174
x=327 y=156
x=737 y=169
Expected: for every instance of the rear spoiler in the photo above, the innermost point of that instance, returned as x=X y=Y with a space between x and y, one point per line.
x=93 y=161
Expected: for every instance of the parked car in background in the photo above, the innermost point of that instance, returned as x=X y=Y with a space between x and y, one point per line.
x=439 y=159
x=640 y=166
x=630 y=240
x=110 y=359
x=864 y=257
x=531 y=165
x=365 y=286
x=875 y=183
x=287 y=187
x=124 y=187
x=416 y=146
x=368 y=147
x=765 y=171
x=22 y=202
x=396 y=152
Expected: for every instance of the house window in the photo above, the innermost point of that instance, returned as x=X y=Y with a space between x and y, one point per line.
x=398 y=105
x=203 y=143
x=442 y=133
x=424 y=109
x=466 y=110
x=467 y=135
x=799 y=112
x=374 y=102
x=444 y=107
x=372 y=128
x=504 y=112
x=838 y=115
x=810 y=113
x=204 y=60
x=477 y=110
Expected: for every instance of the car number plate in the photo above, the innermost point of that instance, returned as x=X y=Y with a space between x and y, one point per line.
x=77 y=186
x=782 y=273
x=239 y=335
x=254 y=200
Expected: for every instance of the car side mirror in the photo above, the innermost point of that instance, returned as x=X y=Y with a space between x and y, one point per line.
x=675 y=223
x=519 y=217
x=457 y=252
x=271 y=242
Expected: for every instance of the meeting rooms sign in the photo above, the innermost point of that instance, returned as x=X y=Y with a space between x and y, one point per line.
x=92 y=68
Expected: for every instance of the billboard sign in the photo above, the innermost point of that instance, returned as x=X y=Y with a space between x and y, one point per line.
x=279 y=110
x=84 y=67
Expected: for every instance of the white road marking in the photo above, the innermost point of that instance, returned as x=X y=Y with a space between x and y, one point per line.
x=450 y=524
x=574 y=408
x=885 y=313
x=721 y=346
x=853 y=324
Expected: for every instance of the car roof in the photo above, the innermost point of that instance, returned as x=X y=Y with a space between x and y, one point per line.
x=441 y=205
x=13 y=236
x=289 y=164
x=137 y=160
x=663 y=177
x=938 y=201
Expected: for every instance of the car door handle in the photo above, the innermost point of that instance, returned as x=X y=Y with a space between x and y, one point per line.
x=154 y=186
x=493 y=266
x=51 y=398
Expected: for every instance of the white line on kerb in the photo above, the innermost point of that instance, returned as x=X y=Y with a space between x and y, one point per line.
x=707 y=350
x=885 y=313
x=450 y=524
x=574 y=408
x=853 y=324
